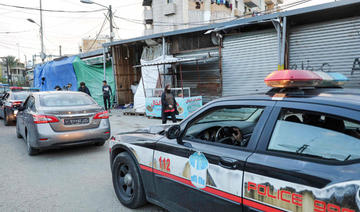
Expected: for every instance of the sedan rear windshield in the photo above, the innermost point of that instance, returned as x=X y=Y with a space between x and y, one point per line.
x=62 y=100
x=20 y=96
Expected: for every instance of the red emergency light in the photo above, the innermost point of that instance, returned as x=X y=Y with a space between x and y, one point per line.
x=292 y=78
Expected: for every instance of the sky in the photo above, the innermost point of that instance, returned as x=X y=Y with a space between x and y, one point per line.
x=21 y=38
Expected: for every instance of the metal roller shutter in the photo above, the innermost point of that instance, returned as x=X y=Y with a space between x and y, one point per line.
x=247 y=59
x=328 y=46
x=203 y=78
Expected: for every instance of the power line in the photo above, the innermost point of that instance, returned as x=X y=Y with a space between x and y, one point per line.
x=98 y=34
x=47 y=10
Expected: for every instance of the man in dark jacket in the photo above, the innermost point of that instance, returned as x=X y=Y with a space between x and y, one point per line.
x=107 y=93
x=84 y=89
x=168 y=104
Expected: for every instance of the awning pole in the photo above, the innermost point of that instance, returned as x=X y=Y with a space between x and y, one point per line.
x=159 y=75
x=181 y=79
x=104 y=56
x=283 y=43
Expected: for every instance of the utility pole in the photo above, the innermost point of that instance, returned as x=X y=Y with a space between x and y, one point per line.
x=60 y=50
x=42 y=55
x=8 y=70
x=111 y=24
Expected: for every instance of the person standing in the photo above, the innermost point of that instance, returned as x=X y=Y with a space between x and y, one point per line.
x=168 y=105
x=68 y=87
x=107 y=93
x=84 y=89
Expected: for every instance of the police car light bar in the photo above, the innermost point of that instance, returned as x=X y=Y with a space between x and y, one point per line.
x=304 y=78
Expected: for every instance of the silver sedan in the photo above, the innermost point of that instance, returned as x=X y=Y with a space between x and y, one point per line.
x=61 y=118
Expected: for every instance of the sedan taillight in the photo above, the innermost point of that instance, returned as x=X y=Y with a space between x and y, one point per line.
x=42 y=119
x=17 y=103
x=102 y=115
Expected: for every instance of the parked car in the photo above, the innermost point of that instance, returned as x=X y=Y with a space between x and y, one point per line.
x=9 y=105
x=61 y=118
x=3 y=89
x=291 y=149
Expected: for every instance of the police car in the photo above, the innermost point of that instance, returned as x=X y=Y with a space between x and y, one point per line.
x=10 y=103
x=295 y=148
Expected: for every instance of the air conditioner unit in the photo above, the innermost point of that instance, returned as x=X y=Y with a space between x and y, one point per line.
x=147 y=3
x=148 y=15
x=251 y=3
x=169 y=9
x=237 y=12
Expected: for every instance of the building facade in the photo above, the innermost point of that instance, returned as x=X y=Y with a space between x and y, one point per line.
x=169 y=15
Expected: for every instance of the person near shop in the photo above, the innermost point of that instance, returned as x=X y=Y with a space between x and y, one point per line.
x=107 y=93
x=68 y=87
x=84 y=89
x=57 y=88
x=168 y=104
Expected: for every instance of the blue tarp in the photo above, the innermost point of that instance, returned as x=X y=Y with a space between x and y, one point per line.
x=59 y=72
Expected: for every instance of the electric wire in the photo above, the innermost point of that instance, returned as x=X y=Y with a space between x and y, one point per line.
x=48 y=10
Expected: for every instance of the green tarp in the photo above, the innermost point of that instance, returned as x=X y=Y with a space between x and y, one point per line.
x=93 y=76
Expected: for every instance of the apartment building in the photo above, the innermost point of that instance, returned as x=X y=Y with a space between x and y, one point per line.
x=169 y=15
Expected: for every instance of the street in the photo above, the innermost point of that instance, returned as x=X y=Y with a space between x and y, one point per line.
x=72 y=179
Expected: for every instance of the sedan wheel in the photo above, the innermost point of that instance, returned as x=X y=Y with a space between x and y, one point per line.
x=6 y=119
x=18 y=135
x=31 y=151
x=127 y=181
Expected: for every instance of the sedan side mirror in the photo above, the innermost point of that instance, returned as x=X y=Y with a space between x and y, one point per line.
x=173 y=132
x=21 y=108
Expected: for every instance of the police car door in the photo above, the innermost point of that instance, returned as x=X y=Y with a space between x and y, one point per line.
x=307 y=160
x=204 y=174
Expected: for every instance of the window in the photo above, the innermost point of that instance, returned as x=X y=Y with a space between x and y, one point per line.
x=316 y=135
x=30 y=104
x=236 y=4
x=20 y=96
x=170 y=1
x=230 y=125
x=64 y=100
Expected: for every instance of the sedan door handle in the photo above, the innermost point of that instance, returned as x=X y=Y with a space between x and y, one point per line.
x=228 y=163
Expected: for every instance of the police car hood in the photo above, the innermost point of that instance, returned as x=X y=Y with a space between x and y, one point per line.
x=156 y=129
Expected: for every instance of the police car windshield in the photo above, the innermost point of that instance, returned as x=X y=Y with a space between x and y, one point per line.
x=231 y=114
x=20 y=95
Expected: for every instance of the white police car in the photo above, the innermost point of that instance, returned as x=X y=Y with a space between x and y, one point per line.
x=296 y=148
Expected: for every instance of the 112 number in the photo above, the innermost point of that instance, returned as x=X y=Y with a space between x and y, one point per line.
x=164 y=164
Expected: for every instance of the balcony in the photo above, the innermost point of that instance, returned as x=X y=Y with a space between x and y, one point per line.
x=251 y=3
x=148 y=16
x=169 y=9
x=147 y=3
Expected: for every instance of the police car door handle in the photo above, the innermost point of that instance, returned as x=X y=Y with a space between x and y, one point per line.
x=228 y=163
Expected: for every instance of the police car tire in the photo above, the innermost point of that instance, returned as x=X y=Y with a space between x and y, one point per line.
x=139 y=198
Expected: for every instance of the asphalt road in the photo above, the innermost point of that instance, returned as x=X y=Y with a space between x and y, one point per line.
x=75 y=179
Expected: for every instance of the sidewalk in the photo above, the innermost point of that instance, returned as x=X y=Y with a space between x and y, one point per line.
x=120 y=123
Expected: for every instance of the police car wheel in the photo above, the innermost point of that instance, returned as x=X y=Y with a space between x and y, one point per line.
x=127 y=182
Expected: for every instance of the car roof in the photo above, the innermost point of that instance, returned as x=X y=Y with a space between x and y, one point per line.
x=58 y=92
x=338 y=97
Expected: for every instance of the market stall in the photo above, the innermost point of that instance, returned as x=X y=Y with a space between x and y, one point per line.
x=186 y=104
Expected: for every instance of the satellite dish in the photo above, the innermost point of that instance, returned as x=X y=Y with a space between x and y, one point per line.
x=214 y=38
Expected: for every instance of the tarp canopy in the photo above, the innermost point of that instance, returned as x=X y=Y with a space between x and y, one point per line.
x=59 y=72
x=73 y=70
x=93 y=75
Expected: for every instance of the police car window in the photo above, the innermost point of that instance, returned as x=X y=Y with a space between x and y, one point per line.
x=316 y=135
x=231 y=126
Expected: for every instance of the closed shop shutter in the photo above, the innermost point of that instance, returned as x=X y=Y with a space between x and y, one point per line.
x=202 y=77
x=247 y=59
x=328 y=46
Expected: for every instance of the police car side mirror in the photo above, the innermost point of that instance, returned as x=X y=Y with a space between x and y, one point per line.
x=173 y=132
